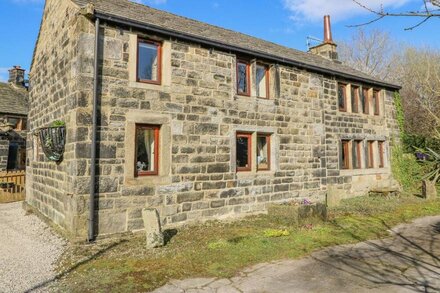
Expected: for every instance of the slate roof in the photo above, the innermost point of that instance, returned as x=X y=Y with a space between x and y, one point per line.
x=13 y=100
x=140 y=14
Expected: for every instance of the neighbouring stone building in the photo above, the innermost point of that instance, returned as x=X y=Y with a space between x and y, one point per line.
x=194 y=120
x=13 y=119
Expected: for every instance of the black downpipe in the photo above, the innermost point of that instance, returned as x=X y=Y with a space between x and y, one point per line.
x=91 y=230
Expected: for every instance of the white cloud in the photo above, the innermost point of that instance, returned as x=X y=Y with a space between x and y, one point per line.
x=4 y=74
x=314 y=10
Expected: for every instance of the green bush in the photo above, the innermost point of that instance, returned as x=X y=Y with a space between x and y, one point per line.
x=406 y=169
x=413 y=142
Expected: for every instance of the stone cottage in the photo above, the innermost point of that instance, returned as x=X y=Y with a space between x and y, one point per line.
x=194 y=120
x=13 y=119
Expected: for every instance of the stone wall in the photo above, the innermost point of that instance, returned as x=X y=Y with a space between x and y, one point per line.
x=199 y=114
x=4 y=149
x=53 y=96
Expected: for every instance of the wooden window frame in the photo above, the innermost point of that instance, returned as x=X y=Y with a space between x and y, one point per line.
x=381 y=148
x=248 y=78
x=267 y=73
x=344 y=109
x=366 y=105
x=376 y=96
x=159 y=62
x=358 y=144
x=346 y=152
x=156 y=129
x=268 y=141
x=249 y=163
x=370 y=151
x=356 y=89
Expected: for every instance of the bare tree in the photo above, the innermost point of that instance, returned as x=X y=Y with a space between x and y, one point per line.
x=370 y=52
x=428 y=11
x=418 y=70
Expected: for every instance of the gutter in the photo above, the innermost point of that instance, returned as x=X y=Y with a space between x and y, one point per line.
x=219 y=45
x=91 y=221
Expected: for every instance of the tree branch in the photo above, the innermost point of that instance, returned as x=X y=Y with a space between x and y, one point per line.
x=427 y=14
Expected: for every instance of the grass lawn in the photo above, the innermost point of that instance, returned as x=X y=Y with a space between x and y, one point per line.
x=222 y=249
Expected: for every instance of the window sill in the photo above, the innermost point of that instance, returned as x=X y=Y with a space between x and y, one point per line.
x=255 y=99
x=355 y=172
x=253 y=174
x=145 y=85
x=148 y=180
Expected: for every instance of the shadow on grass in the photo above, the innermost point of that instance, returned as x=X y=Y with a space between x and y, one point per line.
x=168 y=235
x=410 y=259
x=78 y=264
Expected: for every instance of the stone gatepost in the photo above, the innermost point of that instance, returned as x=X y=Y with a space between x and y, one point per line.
x=153 y=229
x=429 y=190
x=4 y=150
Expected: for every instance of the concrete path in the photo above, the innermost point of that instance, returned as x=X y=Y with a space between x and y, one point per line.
x=28 y=250
x=409 y=261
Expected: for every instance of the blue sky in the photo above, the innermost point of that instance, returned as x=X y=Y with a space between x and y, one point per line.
x=287 y=22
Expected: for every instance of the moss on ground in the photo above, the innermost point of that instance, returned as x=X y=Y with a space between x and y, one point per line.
x=221 y=250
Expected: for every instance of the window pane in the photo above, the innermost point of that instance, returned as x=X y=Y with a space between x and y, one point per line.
x=13 y=121
x=148 y=62
x=243 y=155
x=365 y=104
x=345 y=156
x=242 y=78
x=356 y=154
x=261 y=81
x=146 y=150
x=355 y=99
x=263 y=156
x=376 y=102
x=341 y=97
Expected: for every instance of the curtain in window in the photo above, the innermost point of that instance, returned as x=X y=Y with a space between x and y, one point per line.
x=149 y=148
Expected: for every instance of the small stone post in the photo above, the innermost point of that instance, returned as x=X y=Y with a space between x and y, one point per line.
x=153 y=229
x=334 y=196
x=429 y=190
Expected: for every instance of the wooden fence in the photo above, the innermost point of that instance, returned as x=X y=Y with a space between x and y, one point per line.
x=12 y=186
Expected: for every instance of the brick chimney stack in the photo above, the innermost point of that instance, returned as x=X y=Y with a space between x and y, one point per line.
x=16 y=76
x=328 y=48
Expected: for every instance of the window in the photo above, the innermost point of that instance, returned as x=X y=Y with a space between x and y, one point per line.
x=355 y=99
x=345 y=154
x=376 y=102
x=243 y=81
x=244 y=152
x=149 y=62
x=342 y=97
x=263 y=152
x=365 y=101
x=357 y=146
x=262 y=79
x=370 y=154
x=381 y=154
x=147 y=150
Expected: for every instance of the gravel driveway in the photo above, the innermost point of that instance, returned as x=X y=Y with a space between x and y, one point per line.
x=28 y=250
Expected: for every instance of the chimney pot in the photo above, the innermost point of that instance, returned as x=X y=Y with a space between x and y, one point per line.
x=327 y=30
